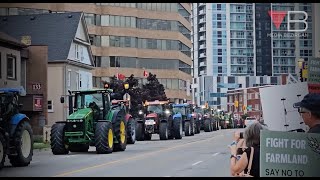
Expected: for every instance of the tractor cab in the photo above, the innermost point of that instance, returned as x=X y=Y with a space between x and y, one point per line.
x=83 y=101
x=159 y=108
x=116 y=104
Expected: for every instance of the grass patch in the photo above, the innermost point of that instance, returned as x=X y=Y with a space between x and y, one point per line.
x=41 y=145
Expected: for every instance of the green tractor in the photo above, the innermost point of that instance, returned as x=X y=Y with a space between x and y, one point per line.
x=92 y=122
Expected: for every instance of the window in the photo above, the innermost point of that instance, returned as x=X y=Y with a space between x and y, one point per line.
x=218 y=6
x=219 y=59
x=219 y=69
x=77 y=51
x=218 y=24
x=81 y=54
x=69 y=77
x=50 y=106
x=80 y=81
x=256 y=107
x=218 y=16
x=219 y=34
x=219 y=42
x=11 y=67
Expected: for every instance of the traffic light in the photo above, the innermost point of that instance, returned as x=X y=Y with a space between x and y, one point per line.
x=300 y=75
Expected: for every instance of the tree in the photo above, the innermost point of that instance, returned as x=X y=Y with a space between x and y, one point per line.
x=136 y=95
x=155 y=90
x=117 y=86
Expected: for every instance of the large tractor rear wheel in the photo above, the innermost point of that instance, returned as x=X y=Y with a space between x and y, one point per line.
x=177 y=128
x=3 y=150
x=79 y=147
x=23 y=142
x=104 y=137
x=163 y=131
x=58 y=146
x=140 y=131
x=131 y=127
x=120 y=131
x=207 y=125
x=187 y=128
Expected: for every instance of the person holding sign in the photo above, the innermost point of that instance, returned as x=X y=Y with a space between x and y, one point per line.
x=309 y=109
x=249 y=162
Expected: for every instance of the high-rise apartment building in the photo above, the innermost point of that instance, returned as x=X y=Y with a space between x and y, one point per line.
x=130 y=38
x=240 y=39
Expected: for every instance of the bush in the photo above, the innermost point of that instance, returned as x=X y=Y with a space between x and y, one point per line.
x=38 y=139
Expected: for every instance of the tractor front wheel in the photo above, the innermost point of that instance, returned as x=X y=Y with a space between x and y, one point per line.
x=120 y=132
x=187 y=128
x=104 y=137
x=3 y=151
x=131 y=127
x=163 y=131
x=140 y=131
x=207 y=125
x=58 y=146
x=23 y=143
x=177 y=128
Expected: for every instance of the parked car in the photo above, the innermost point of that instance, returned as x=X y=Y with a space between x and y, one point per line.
x=250 y=120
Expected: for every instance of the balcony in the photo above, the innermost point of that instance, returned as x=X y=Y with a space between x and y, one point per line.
x=203 y=55
x=202 y=29
x=202 y=12
x=202 y=38
x=202 y=46
x=203 y=20
x=203 y=72
x=203 y=64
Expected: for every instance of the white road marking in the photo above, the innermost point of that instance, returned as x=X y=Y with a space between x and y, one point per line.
x=215 y=154
x=197 y=163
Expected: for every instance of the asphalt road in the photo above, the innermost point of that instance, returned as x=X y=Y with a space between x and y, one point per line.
x=205 y=154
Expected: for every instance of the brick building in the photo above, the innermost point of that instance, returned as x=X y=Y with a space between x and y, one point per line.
x=245 y=100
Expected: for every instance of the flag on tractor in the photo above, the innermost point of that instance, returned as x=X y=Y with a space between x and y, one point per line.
x=121 y=76
x=145 y=73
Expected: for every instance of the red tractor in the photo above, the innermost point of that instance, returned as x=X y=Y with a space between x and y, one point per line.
x=156 y=117
x=131 y=125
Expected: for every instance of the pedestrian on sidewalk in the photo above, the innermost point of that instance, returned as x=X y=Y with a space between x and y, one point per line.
x=309 y=109
x=249 y=162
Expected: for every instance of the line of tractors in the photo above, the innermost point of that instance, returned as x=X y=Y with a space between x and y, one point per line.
x=97 y=119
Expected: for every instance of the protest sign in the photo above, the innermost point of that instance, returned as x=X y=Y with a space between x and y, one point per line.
x=289 y=154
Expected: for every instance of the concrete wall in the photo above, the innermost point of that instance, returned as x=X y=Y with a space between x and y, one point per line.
x=37 y=66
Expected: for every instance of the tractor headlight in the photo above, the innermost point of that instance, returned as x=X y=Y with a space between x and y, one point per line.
x=140 y=112
x=167 y=111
